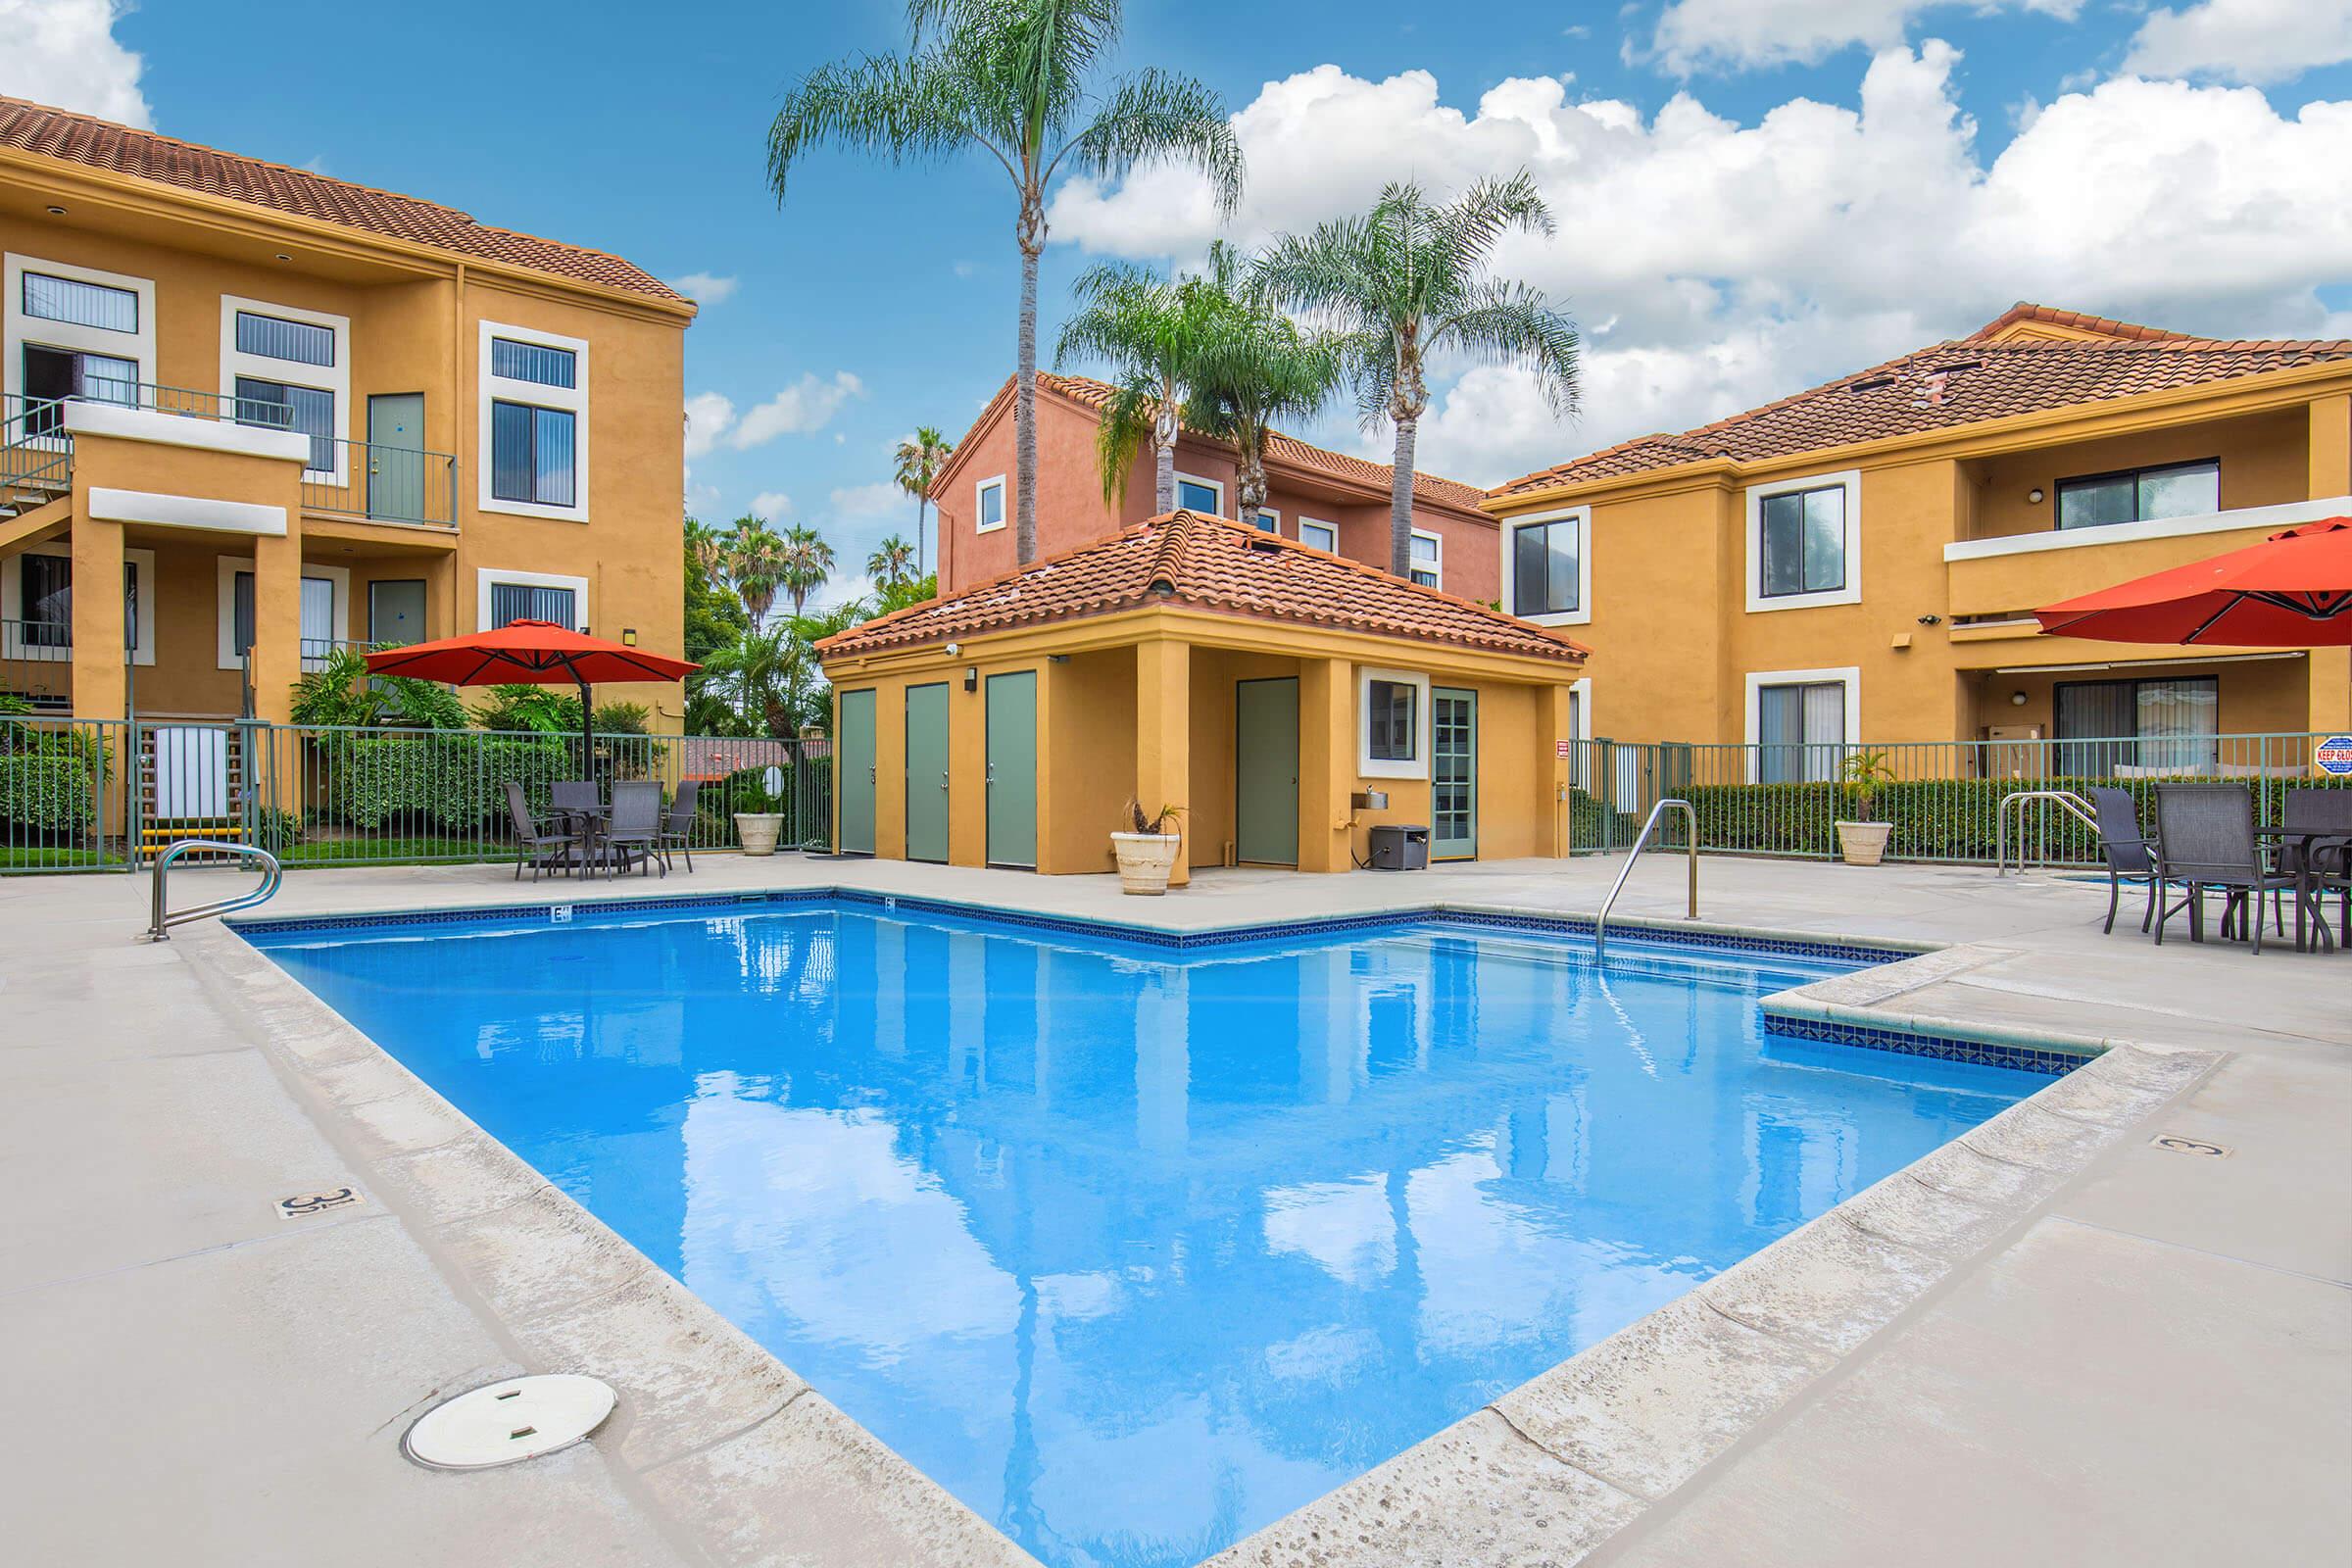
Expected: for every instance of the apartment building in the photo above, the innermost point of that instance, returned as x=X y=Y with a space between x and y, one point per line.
x=1313 y=495
x=285 y=412
x=1858 y=563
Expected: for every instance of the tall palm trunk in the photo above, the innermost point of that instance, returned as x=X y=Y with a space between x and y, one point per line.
x=1164 y=455
x=922 y=525
x=1252 y=481
x=1401 y=499
x=1032 y=235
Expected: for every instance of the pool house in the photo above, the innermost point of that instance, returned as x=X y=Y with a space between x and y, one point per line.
x=1288 y=700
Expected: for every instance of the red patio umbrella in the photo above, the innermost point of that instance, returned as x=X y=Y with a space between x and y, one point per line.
x=530 y=653
x=2293 y=590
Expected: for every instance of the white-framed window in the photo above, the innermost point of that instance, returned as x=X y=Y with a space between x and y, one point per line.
x=286 y=369
x=503 y=597
x=1428 y=558
x=1269 y=520
x=1801 y=723
x=1392 y=725
x=1196 y=494
x=534 y=422
x=36 y=604
x=73 y=331
x=325 y=610
x=988 y=505
x=1547 y=566
x=2139 y=495
x=1322 y=535
x=1804 y=542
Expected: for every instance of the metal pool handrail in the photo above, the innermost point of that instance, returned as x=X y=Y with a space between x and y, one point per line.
x=271 y=875
x=1600 y=923
x=2067 y=800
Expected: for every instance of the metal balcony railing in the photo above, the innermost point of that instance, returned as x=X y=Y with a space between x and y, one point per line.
x=383 y=483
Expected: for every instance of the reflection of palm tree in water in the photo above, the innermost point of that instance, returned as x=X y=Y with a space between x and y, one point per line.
x=1021 y=1517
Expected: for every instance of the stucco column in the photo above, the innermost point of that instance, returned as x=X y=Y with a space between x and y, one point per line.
x=1163 y=737
x=277 y=658
x=99 y=617
x=2331 y=690
x=1554 y=722
x=1326 y=762
x=2331 y=446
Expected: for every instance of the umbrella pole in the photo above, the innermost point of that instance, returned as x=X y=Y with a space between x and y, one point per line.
x=587 y=731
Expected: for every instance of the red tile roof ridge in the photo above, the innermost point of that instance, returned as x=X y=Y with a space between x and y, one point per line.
x=2027 y=311
x=629 y=276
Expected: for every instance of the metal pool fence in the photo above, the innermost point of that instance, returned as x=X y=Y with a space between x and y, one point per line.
x=80 y=795
x=1942 y=797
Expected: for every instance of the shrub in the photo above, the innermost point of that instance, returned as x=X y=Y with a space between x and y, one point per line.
x=342 y=694
x=456 y=783
x=48 y=791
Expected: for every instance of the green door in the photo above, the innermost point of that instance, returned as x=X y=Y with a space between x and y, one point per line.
x=1012 y=768
x=856 y=747
x=396 y=458
x=396 y=611
x=1265 y=771
x=927 y=772
x=1453 y=774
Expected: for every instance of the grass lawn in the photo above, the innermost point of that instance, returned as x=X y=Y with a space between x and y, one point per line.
x=366 y=852
x=53 y=857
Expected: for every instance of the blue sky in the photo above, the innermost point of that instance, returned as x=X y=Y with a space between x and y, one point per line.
x=1752 y=194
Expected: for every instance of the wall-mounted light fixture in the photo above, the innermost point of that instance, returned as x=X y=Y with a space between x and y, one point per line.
x=57 y=212
x=283 y=257
x=2017 y=699
x=1931 y=621
x=971 y=680
x=629 y=636
x=953 y=649
x=2034 y=494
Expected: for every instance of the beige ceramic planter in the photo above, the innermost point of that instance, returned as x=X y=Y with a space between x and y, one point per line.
x=757 y=831
x=1144 y=860
x=1863 y=843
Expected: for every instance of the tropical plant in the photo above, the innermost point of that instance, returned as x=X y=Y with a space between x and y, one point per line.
x=760 y=675
x=340 y=693
x=1010 y=78
x=892 y=563
x=1407 y=280
x=920 y=457
x=1149 y=332
x=806 y=564
x=1163 y=820
x=1865 y=773
x=913 y=591
x=1254 y=366
x=754 y=564
x=714 y=618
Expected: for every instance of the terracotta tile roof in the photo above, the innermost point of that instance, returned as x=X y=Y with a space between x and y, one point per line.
x=1195 y=562
x=2027 y=315
x=1289 y=450
x=1945 y=386
x=102 y=144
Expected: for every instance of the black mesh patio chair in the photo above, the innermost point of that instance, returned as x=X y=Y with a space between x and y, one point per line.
x=2129 y=852
x=634 y=832
x=2205 y=839
x=2330 y=811
x=543 y=846
x=677 y=828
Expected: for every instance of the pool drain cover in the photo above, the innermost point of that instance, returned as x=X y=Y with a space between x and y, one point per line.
x=509 y=1422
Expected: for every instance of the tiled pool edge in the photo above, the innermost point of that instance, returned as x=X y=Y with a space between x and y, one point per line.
x=1545 y=1473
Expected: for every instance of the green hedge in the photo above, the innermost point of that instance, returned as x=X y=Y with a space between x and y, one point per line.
x=48 y=791
x=456 y=782
x=1953 y=819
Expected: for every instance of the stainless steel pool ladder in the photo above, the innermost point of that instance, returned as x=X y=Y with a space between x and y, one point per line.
x=2066 y=800
x=159 y=928
x=1600 y=924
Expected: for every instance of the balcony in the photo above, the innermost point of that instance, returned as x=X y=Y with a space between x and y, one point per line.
x=340 y=478
x=2009 y=574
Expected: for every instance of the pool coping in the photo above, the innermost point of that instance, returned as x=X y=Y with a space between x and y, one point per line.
x=751 y=1461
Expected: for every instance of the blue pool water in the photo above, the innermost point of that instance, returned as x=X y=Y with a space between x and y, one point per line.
x=1134 y=1250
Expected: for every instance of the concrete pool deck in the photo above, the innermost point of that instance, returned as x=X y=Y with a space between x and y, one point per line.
x=2063 y=1342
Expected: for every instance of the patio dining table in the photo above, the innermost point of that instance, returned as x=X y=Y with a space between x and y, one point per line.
x=2309 y=841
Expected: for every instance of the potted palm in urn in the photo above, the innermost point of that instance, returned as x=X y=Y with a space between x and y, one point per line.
x=1146 y=847
x=758 y=828
x=1862 y=839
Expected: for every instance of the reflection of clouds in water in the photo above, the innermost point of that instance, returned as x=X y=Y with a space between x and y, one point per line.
x=1075 y=1298
x=1492 y=1273
x=817 y=1215
x=1342 y=1226
x=1321 y=1356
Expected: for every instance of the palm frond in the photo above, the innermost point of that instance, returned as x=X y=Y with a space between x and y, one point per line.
x=1158 y=116
x=1503 y=322
x=917 y=108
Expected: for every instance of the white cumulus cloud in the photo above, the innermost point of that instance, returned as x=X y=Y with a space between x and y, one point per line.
x=708 y=415
x=1748 y=34
x=806 y=405
x=875 y=500
x=64 y=53
x=1714 y=264
x=2243 y=41
x=705 y=288
x=774 y=505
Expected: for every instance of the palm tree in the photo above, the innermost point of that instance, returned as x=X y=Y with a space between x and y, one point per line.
x=759 y=675
x=1254 y=366
x=1010 y=76
x=1149 y=331
x=803 y=564
x=1408 y=279
x=920 y=457
x=892 y=563
x=754 y=564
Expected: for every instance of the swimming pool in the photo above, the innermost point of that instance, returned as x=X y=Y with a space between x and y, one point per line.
x=1135 y=1249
